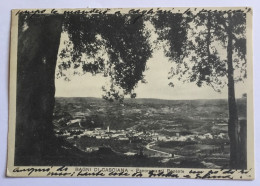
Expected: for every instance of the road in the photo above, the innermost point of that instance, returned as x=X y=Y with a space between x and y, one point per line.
x=165 y=154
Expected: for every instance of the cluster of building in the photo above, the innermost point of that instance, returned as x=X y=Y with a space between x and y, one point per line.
x=122 y=135
x=132 y=135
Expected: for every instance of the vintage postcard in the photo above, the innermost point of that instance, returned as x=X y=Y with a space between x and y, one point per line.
x=138 y=92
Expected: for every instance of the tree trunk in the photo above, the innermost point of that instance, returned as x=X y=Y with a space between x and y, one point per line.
x=233 y=126
x=38 y=44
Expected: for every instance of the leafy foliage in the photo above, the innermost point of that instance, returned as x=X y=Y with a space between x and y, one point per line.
x=117 y=45
x=114 y=44
x=197 y=43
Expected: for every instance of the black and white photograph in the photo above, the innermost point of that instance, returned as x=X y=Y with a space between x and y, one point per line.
x=137 y=92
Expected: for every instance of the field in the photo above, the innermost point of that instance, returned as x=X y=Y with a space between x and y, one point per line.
x=171 y=133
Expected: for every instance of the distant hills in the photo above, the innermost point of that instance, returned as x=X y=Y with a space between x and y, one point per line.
x=142 y=112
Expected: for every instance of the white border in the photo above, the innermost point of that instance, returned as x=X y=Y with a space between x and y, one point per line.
x=6 y=6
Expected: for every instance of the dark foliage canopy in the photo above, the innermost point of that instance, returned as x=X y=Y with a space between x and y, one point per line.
x=197 y=45
x=114 y=44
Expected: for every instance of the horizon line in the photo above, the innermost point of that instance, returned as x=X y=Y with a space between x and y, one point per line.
x=147 y=98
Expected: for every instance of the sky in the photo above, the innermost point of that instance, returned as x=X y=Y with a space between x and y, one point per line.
x=156 y=76
x=156 y=87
